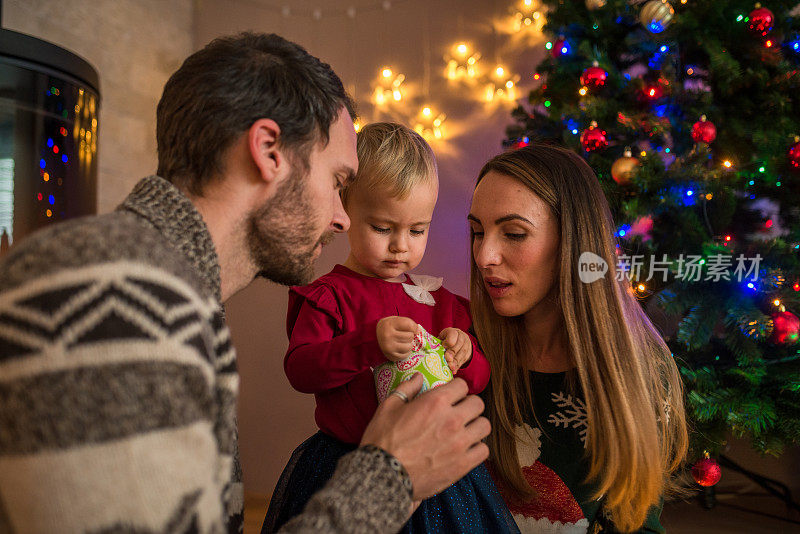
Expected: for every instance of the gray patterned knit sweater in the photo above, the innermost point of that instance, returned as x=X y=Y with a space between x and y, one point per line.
x=118 y=386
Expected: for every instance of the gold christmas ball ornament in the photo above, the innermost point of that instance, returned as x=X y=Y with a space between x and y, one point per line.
x=656 y=15
x=591 y=5
x=624 y=167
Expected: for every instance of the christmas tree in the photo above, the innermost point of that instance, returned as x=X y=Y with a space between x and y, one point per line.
x=688 y=114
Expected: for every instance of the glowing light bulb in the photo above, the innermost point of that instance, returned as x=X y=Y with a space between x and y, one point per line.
x=582 y=91
x=509 y=84
x=426 y=111
x=776 y=302
x=462 y=49
x=499 y=71
x=387 y=73
x=727 y=164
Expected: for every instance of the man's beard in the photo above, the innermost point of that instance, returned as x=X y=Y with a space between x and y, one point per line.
x=281 y=234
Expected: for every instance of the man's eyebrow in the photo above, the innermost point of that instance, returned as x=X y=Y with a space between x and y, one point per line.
x=348 y=173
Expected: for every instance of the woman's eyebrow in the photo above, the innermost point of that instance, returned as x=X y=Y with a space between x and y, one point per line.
x=501 y=220
x=513 y=217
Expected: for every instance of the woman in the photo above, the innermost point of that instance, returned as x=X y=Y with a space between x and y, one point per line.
x=585 y=400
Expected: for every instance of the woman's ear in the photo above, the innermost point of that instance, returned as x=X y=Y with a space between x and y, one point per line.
x=263 y=142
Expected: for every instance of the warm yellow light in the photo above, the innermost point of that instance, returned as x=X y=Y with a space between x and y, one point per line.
x=437 y=122
x=426 y=112
x=689 y=71
x=528 y=3
x=471 y=61
x=46 y=177
x=357 y=126
x=776 y=302
x=387 y=73
x=727 y=163
x=643 y=153
x=396 y=95
x=509 y=84
x=49 y=213
x=536 y=15
x=582 y=91
x=489 y=95
x=462 y=49
x=709 y=196
x=500 y=71
x=527 y=21
x=641 y=287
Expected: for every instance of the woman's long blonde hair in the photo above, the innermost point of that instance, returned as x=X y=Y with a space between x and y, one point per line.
x=637 y=435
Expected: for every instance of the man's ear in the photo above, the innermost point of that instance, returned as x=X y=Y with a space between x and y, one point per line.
x=262 y=141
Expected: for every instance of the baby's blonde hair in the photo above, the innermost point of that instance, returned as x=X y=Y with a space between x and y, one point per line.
x=391 y=157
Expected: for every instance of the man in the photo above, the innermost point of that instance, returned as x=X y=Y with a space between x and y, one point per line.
x=118 y=380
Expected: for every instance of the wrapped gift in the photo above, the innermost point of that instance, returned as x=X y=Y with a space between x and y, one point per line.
x=427 y=359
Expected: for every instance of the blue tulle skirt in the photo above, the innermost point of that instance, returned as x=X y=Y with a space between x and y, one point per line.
x=471 y=505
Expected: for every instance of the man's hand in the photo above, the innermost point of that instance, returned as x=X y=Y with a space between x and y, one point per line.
x=396 y=337
x=437 y=436
x=458 y=347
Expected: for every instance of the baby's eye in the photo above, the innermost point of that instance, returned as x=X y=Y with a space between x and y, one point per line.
x=380 y=229
x=476 y=234
x=417 y=232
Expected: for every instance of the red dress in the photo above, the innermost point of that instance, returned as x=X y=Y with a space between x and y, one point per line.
x=333 y=346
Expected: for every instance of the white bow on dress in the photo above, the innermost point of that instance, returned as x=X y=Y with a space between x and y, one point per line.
x=421 y=291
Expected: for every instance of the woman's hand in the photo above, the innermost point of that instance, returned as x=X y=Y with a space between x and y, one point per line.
x=458 y=347
x=396 y=337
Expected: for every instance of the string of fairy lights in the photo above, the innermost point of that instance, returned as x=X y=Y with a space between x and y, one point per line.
x=462 y=65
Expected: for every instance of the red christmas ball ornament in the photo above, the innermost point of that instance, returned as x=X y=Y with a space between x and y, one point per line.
x=704 y=130
x=594 y=76
x=786 y=329
x=593 y=138
x=560 y=47
x=760 y=21
x=706 y=471
x=794 y=153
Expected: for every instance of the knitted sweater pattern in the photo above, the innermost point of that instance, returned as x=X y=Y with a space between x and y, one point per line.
x=118 y=381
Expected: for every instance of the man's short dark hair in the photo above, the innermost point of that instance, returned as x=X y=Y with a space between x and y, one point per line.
x=221 y=90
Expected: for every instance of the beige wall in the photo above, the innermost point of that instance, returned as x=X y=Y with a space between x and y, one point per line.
x=134 y=45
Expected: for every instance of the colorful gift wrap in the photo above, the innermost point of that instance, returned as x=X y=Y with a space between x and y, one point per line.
x=427 y=358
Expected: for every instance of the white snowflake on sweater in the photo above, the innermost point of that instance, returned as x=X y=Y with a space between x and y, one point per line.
x=573 y=416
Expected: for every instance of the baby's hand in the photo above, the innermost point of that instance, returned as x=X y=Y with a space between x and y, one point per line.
x=458 y=347
x=396 y=337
